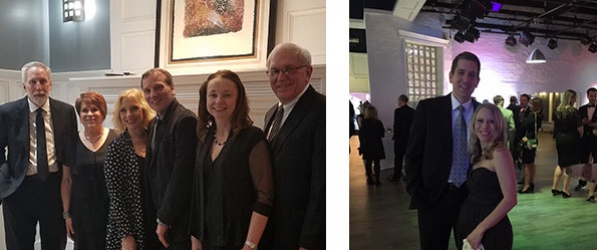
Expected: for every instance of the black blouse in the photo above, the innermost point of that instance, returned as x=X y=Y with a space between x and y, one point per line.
x=229 y=189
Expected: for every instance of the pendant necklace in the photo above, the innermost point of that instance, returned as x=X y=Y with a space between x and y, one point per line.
x=218 y=143
x=96 y=139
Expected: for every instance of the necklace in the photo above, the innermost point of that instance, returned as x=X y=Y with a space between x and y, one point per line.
x=218 y=143
x=96 y=139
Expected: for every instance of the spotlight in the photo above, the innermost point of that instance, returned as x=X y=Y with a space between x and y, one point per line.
x=460 y=23
x=511 y=41
x=586 y=40
x=552 y=44
x=526 y=38
x=459 y=37
x=593 y=47
x=472 y=35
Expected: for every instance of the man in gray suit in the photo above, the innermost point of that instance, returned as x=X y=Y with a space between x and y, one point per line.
x=295 y=129
x=32 y=130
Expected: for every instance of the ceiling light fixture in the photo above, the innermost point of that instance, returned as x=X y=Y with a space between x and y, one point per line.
x=586 y=40
x=73 y=10
x=459 y=37
x=537 y=57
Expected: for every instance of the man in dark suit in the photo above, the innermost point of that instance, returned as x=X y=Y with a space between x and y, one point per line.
x=295 y=128
x=169 y=162
x=403 y=118
x=589 y=140
x=524 y=110
x=435 y=168
x=515 y=110
x=32 y=130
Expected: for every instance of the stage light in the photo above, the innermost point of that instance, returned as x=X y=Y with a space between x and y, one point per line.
x=460 y=23
x=472 y=35
x=526 y=38
x=552 y=44
x=593 y=47
x=586 y=40
x=459 y=37
x=511 y=41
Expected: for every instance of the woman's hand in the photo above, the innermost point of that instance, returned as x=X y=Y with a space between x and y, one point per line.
x=70 y=231
x=475 y=238
x=128 y=243
x=196 y=244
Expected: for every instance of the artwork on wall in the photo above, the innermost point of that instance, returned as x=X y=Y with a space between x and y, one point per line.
x=214 y=34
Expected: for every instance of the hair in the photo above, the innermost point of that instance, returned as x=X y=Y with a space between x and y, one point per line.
x=566 y=98
x=403 y=98
x=525 y=95
x=466 y=56
x=165 y=73
x=94 y=98
x=591 y=89
x=498 y=140
x=498 y=99
x=513 y=99
x=240 y=117
x=537 y=105
x=371 y=112
x=136 y=95
x=29 y=65
x=302 y=53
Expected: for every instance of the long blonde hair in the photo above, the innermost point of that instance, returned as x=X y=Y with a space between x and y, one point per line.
x=499 y=139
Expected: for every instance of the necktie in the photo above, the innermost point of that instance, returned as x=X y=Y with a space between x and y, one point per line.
x=42 y=153
x=460 y=156
x=276 y=126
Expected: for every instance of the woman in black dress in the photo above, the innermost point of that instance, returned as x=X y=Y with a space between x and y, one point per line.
x=526 y=133
x=371 y=145
x=123 y=169
x=233 y=180
x=568 y=128
x=83 y=190
x=491 y=183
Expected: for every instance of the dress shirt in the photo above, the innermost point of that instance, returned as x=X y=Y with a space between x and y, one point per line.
x=288 y=108
x=467 y=113
x=32 y=169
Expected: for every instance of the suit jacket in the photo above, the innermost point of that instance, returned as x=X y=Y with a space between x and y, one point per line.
x=298 y=154
x=588 y=130
x=429 y=151
x=14 y=135
x=515 y=114
x=169 y=169
x=403 y=119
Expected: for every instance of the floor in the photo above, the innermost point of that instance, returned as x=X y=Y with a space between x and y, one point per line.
x=380 y=218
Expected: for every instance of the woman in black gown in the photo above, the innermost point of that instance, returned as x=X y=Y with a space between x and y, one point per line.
x=491 y=183
x=233 y=180
x=83 y=190
x=371 y=146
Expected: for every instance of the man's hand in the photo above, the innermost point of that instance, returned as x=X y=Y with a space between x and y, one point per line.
x=70 y=231
x=161 y=231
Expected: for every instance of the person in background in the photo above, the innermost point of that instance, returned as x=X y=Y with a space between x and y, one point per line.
x=589 y=138
x=437 y=157
x=403 y=118
x=84 y=194
x=568 y=129
x=528 y=131
x=123 y=169
x=372 y=147
x=351 y=114
x=169 y=161
x=233 y=180
x=295 y=129
x=491 y=182
x=32 y=132
x=509 y=117
x=513 y=104
x=524 y=110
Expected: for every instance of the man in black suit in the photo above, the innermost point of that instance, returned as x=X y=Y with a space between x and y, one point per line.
x=523 y=110
x=589 y=139
x=31 y=174
x=435 y=169
x=298 y=152
x=169 y=163
x=515 y=110
x=403 y=118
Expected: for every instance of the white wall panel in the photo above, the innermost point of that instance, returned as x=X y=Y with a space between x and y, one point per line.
x=134 y=10
x=4 y=94
x=136 y=51
x=309 y=22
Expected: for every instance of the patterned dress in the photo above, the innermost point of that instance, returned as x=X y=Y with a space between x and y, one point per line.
x=123 y=174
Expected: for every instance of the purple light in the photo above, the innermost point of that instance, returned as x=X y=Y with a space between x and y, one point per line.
x=495 y=6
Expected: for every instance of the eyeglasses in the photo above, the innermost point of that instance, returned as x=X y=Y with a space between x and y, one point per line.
x=273 y=72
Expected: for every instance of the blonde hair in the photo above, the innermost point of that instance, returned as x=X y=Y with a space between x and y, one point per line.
x=498 y=140
x=136 y=95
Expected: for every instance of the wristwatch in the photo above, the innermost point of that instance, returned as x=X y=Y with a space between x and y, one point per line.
x=251 y=244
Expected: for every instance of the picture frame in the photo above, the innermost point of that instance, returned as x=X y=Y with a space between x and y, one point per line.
x=203 y=36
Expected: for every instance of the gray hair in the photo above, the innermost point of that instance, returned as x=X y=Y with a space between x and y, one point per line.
x=29 y=65
x=302 y=53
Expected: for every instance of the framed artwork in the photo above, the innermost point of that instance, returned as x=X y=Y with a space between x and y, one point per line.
x=202 y=36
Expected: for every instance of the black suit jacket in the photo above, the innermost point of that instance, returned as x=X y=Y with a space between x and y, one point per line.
x=14 y=135
x=298 y=154
x=588 y=130
x=429 y=151
x=516 y=114
x=169 y=170
x=403 y=118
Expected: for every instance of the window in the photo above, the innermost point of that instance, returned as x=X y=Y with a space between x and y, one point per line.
x=421 y=61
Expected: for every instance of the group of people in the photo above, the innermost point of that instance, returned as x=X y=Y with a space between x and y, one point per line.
x=163 y=177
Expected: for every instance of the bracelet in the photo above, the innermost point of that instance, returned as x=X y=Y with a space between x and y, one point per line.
x=250 y=244
x=65 y=215
x=162 y=223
